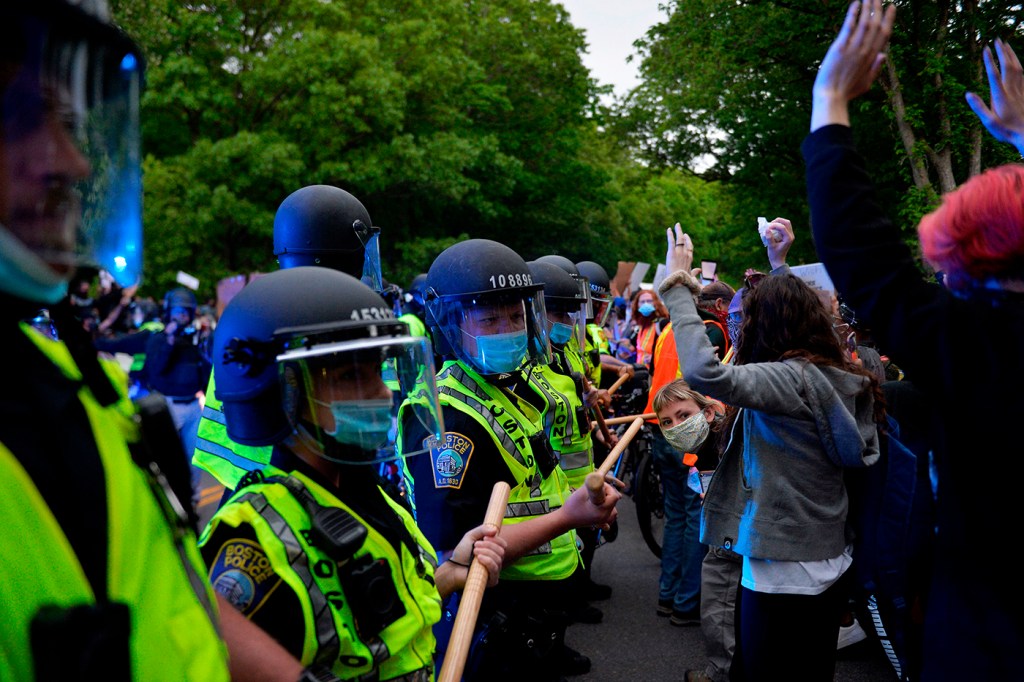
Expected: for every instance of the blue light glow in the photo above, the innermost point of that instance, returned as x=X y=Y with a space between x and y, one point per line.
x=129 y=63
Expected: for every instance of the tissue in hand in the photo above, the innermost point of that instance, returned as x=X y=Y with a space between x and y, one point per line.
x=765 y=229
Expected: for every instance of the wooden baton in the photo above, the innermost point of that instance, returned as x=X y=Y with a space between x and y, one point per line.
x=595 y=479
x=618 y=382
x=472 y=594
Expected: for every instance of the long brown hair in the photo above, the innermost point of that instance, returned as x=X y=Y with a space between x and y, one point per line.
x=784 y=318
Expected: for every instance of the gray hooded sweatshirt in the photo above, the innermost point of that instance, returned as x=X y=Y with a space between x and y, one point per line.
x=781 y=495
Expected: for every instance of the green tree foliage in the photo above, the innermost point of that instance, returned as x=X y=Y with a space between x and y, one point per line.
x=731 y=81
x=445 y=118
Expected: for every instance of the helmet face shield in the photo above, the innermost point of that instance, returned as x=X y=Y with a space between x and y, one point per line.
x=72 y=194
x=372 y=276
x=345 y=395
x=495 y=333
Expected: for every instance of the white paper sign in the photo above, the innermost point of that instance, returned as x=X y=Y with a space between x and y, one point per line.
x=187 y=280
x=815 y=275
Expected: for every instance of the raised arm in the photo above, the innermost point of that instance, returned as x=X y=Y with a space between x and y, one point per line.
x=1004 y=118
x=852 y=62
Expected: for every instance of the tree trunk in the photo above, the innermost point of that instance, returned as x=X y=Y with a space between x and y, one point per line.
x=891 y=83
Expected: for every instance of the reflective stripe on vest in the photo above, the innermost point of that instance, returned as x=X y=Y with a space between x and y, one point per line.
x=575 y=450
x=218 y=455
x=533 y=495
x=402 y=650
x=475 y=403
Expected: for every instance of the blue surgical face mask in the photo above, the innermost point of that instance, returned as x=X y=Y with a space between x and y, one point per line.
x=646 y=309
x=500 y=353
x=366 y=424
x=560 y=333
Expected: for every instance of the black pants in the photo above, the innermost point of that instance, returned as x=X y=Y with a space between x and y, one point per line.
x=520 y=632
x=788 y=636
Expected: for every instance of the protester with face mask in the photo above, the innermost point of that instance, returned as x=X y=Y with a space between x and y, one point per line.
x=689 y=422
x=649 y=319
x=684 y=418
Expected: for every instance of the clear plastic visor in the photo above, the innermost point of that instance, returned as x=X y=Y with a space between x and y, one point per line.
x=345 y=396
x=495 y=334
x=72 y=192
x=372 y=276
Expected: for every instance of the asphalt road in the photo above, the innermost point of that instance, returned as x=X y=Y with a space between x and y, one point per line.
x=633 y=643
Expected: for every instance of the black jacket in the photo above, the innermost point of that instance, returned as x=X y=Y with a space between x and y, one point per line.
x=966 y=355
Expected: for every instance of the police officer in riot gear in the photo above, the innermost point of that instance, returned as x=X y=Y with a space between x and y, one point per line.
x=569 y=427
x=175 y=365
x=597 y=349
x=314 y=225
x=299 y=356
x=100 y=578
x=489 y=322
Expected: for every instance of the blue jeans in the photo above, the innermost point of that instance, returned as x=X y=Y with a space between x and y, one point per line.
x=681 y=549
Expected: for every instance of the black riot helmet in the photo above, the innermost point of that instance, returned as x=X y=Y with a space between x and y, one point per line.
x=326 y=226
x=600 y=290
x=414 y=293
x=574 y=272
x=316 y=355
x=485 y=308
x=566 y=305
x=179 y=298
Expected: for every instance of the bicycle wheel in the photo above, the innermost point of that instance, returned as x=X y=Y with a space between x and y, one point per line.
x=649 y=499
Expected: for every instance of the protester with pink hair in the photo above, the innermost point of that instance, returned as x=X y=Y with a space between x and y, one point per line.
x=954 y=341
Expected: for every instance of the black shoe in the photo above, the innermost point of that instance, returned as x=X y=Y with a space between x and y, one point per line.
x=586 y=614
x=664 y=608
x=596 y=591
x=572 y=662
x=685 y=618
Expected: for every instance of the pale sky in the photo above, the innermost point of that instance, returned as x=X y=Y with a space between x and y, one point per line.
x=611 y=27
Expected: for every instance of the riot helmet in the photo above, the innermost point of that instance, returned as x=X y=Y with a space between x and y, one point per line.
x=326 y=226
x=600 y=290
x=313 y=354
x=574 y=272
x=413 y=296
x=565 y=304
x=180 y=306
x=72 y=190
x=485 y=308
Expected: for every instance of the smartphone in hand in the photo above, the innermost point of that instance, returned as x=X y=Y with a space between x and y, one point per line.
x=708 y=268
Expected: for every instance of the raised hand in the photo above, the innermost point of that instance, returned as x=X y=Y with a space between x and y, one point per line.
x=679 y=255
x=852 y=62
x=1005 y=118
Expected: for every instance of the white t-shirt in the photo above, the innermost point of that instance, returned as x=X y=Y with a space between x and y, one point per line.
x=794 y=577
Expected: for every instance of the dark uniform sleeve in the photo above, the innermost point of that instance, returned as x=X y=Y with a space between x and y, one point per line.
x=454 y=479
x=242 y=574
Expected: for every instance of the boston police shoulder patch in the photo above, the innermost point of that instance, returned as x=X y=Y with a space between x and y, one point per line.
x=449 y=458
x=242 y=573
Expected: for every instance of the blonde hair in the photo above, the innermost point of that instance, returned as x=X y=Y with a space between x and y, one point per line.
x=677 y=390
